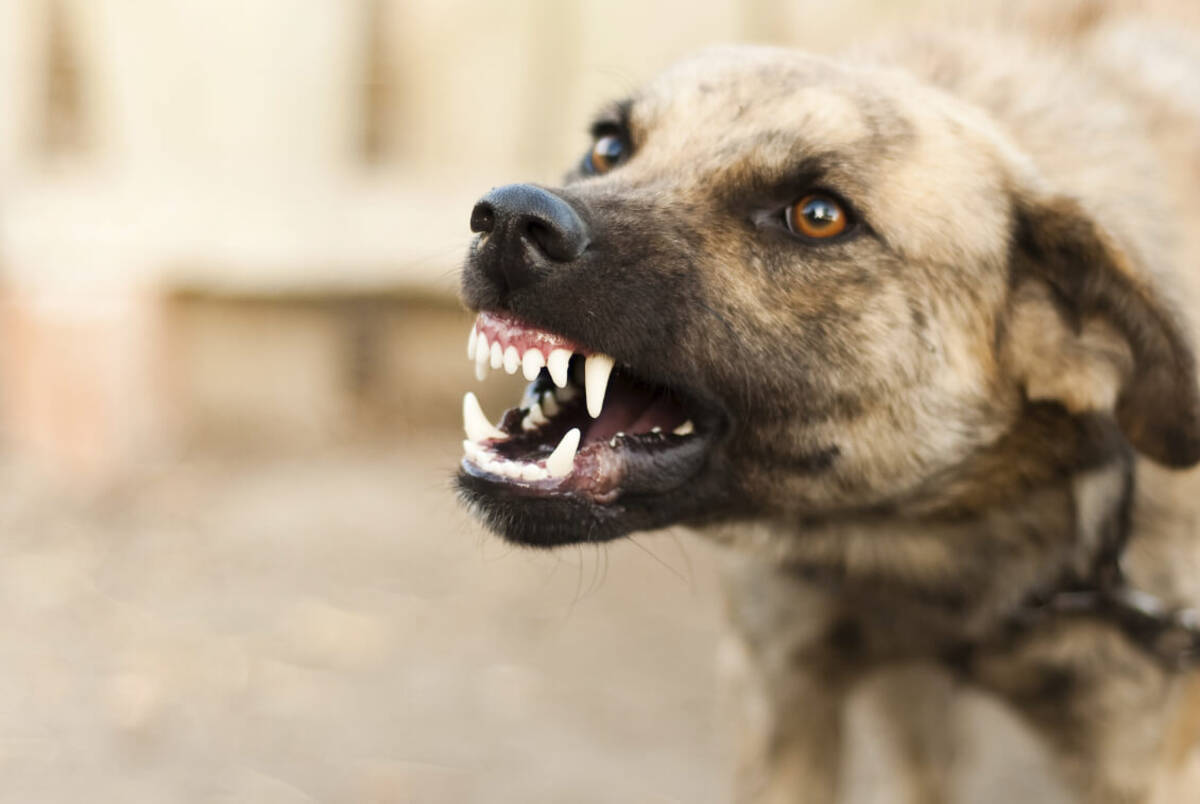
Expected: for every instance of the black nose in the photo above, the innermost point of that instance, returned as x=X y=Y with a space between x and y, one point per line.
x=527 y=227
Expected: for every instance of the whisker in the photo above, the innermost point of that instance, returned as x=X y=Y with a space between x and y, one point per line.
x=648 y=552
x=686 y=560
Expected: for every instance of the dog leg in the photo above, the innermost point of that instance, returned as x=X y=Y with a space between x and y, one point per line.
x=790 y=676
x=916 y=703
x=1104 y=705
x=789 y=741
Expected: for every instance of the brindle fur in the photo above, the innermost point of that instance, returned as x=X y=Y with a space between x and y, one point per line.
x=980 y=399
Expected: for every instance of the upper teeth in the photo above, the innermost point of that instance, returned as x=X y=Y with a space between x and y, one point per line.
x=595 y=382
x=557 y=364
x=532 y=363
x=512 y=359
x=596 y=368
x=481 y=357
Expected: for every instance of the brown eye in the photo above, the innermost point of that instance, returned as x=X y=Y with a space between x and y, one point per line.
x=605 y=155
x=817 y=216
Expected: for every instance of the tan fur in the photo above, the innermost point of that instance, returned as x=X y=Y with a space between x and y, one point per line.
x=1052 y=124
x=950 y=453
x=1084 y=370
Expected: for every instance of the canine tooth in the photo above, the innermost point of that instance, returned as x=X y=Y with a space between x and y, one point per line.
x=473 y=450
x=481 y=356
x=497 y=355
x=534 y=417
x=595 y=382
x=531 y=471
x=512 y=360
x=557 y=364
x=475 y=423
x=471 y=344
x=532 y=363
x=562 y=460
x=549 y=404
x=687 y=428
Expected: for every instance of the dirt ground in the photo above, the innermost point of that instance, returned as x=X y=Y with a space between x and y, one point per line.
x=331 y=627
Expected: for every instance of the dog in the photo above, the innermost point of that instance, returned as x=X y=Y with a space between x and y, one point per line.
x=907 y=333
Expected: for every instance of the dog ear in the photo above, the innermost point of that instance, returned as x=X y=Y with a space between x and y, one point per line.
x=1088 y=330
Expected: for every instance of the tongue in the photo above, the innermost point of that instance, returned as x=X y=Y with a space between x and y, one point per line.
x=633 y=408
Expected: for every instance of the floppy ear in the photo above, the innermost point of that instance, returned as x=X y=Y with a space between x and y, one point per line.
x=1087 y=330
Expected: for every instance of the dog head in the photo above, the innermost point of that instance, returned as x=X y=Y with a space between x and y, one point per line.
x=785 y=287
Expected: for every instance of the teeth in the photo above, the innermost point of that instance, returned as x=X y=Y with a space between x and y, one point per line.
x=481 y=356
x=534 y=418
x=512 y=359
x=687 y=428
x=471 y=344
x=475 y=423
x=529 y=397
x=532 y=363
x=549 y=404
x=557 y=365
x=595 y=382
x=489 y=462
x=497 y=355
x=562 y=460
x=533 y=472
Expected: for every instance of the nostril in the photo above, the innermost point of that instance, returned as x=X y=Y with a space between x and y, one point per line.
x=557 y=240
x=483 y=218
x=539 y=233
x=522 y=231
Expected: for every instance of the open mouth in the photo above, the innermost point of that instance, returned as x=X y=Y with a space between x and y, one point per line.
x=586 y=425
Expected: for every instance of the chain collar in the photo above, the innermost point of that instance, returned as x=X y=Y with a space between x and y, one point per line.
x=1103 y=592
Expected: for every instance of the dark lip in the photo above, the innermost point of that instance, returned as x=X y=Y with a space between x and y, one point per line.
x=685 y=459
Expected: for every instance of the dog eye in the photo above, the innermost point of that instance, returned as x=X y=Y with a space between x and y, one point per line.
x=608 y=152
x=817 y=216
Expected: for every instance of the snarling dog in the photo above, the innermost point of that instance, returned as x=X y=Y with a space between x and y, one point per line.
x=907 y=331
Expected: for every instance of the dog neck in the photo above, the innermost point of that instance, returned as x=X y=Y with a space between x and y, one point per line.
x=985 y=564
x=1044 y=510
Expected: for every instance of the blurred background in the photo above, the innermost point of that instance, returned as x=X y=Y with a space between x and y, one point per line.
x=231 y=365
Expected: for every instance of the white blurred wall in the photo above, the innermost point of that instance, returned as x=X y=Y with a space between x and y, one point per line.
x=274 y=144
